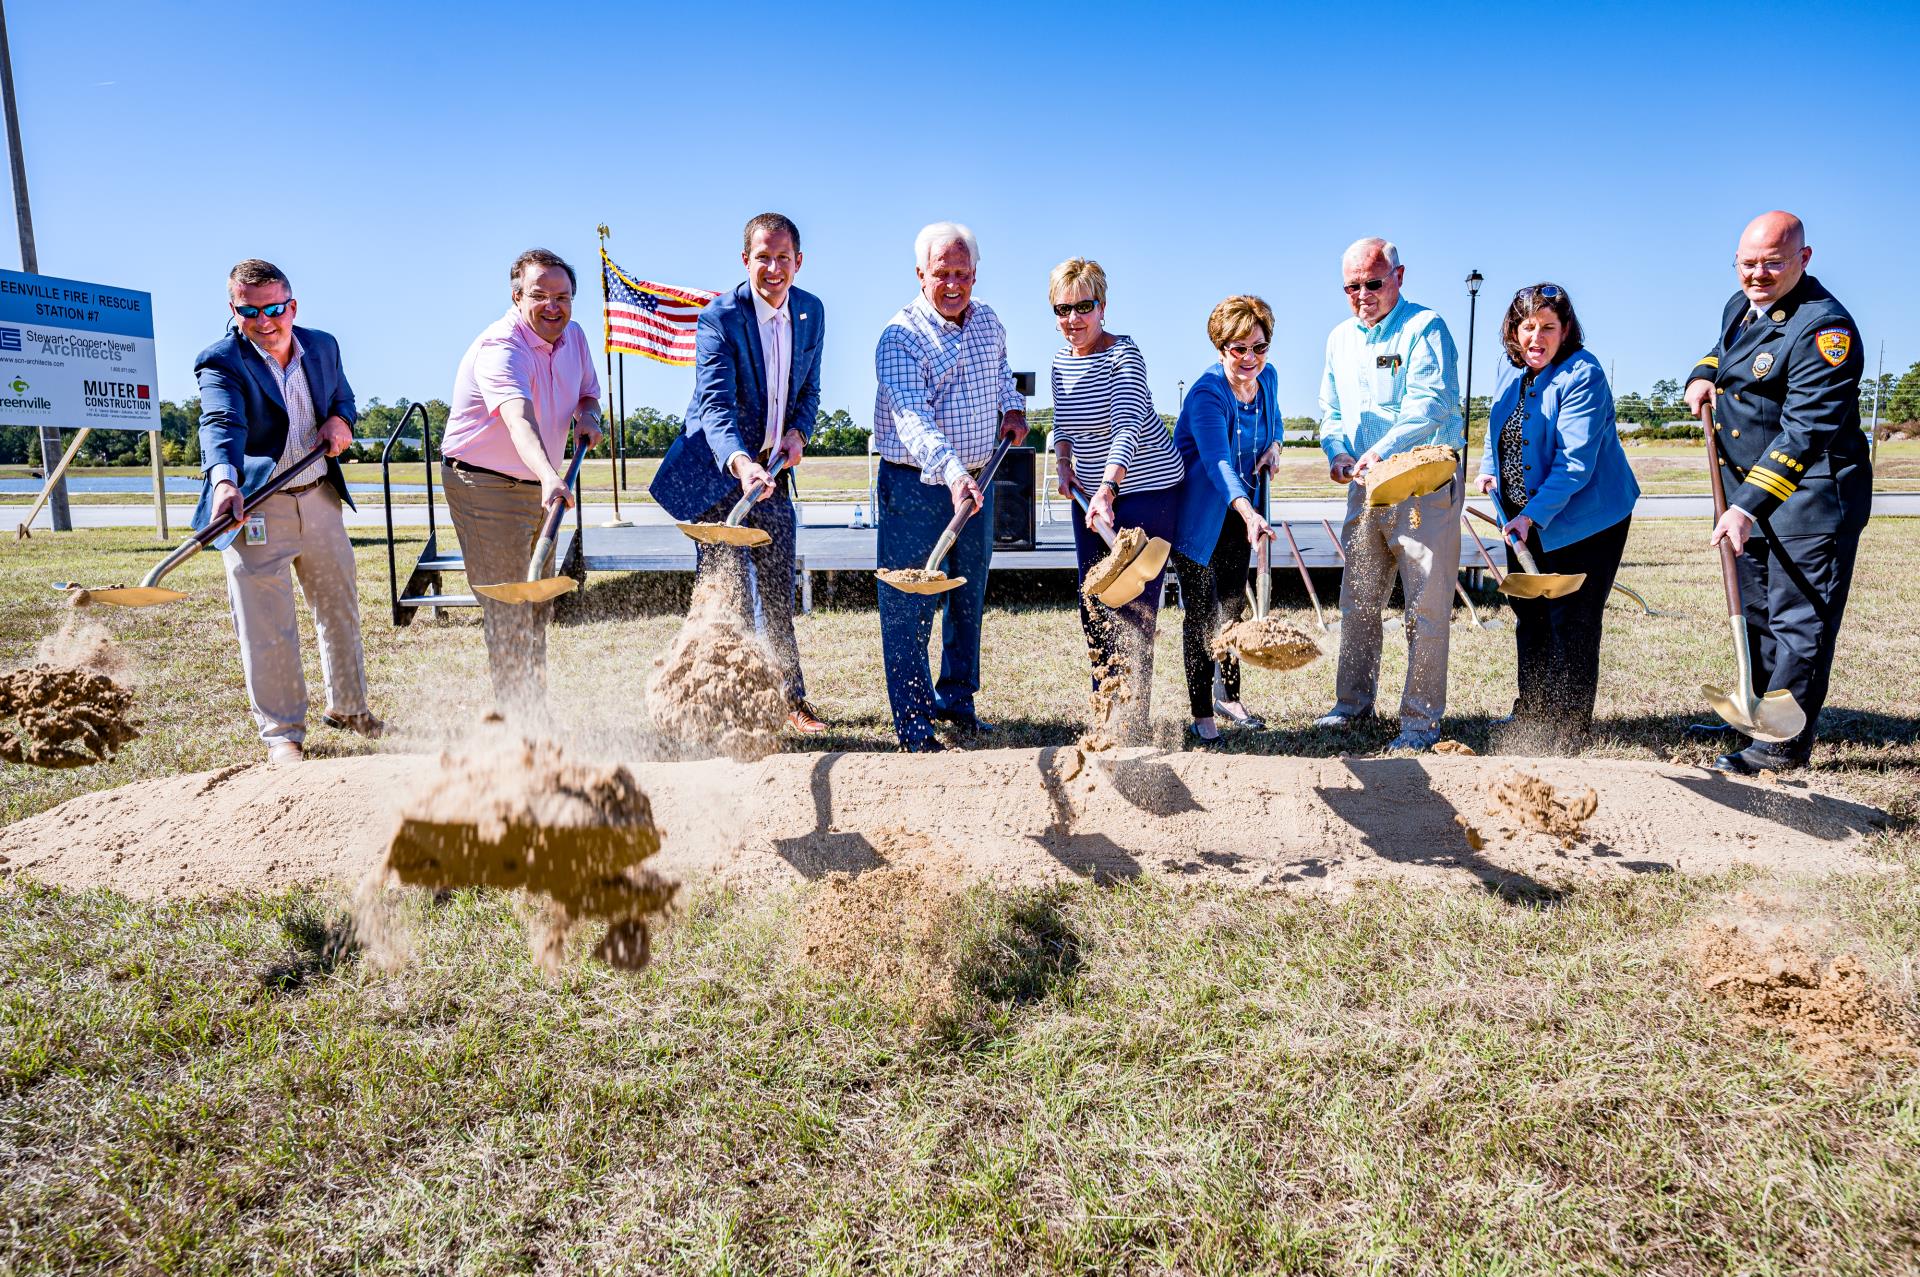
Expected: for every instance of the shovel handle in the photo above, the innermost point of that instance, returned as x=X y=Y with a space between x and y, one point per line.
x=550 y=526
x=967 y=511
x=218 y=528
x=745 y=503
x=1729 y=576
x=1520 y=550
x=1263 y=586
x=1300 y=562
x=1106 y=534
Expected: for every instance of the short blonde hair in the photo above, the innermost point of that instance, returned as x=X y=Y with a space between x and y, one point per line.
x=1075 y=273
x=1234 y=320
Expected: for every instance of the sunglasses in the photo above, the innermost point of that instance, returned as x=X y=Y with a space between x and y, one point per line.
x=1240 y=349
x=1547 y=292
x=1372 y=286
x=1082 y=307
x=273 y=311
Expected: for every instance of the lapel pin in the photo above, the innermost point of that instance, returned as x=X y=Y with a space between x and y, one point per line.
x=1779 y=315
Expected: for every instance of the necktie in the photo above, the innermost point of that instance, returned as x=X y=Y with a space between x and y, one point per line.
x=776 y=376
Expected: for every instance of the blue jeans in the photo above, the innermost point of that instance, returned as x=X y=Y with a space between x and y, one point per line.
x=911 y=517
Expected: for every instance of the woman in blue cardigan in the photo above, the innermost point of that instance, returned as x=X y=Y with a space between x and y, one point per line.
x=1228 y=434
x=1553 y=461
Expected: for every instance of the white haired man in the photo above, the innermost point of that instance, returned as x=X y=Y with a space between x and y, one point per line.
x=946 y=398
x=1391 y=383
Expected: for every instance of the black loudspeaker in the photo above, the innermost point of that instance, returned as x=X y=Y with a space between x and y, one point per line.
x=1014 y=526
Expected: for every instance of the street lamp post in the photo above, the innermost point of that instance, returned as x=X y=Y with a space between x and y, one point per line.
x=1474 y=280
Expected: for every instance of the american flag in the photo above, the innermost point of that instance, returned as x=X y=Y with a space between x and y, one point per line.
x=655 y=320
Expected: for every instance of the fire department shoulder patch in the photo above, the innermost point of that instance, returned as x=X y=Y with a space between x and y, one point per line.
x=1834 y=344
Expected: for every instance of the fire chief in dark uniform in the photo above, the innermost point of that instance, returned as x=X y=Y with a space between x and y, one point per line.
x=1781 y=389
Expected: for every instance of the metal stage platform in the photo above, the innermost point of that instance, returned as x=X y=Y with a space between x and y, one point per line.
x=653 y=547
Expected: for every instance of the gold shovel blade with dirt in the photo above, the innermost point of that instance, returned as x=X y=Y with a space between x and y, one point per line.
x=932 y=579
x=732 y=532
x=538 y=588
x=150 y=591
x=1531 y=582
x=1133 y=561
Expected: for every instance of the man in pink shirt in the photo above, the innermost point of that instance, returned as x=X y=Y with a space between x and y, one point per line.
x=527 y=378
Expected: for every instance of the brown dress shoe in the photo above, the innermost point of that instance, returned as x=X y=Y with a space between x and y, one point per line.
x=363 y=723
x=287 y=751
x=803 y=719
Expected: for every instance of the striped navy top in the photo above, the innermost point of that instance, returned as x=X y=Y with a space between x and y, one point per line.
x=1102 y=408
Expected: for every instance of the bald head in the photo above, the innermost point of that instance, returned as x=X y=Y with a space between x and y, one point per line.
x=1772 y=257
x=1370 y=271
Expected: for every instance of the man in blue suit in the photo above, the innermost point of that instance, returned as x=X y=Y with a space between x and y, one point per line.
x=756 y=392
x=271 y=395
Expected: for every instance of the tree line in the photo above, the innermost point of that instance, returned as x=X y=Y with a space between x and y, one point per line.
x=1660 y=413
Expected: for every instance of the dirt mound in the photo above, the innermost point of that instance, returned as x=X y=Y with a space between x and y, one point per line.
x=64 y=717
x=1127 y=544
x=1019 y=817
x=716 y=687
x=888 y=926
x=1774 y=980
x=525 y=815
x=1269 y=643
x=1533 y=803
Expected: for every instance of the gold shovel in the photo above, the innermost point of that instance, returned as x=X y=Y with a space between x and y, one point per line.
x=1531 y=583
x=932 y=579
x=1131 y=579
x=731 y=532
x=537 y=588
x=1775 y=716
x=150 y=591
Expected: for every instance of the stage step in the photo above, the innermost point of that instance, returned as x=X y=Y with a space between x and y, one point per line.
x=439 y=600
x=454 y=562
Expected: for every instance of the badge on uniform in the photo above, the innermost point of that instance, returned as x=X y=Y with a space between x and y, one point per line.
x=257 y=530
x=1833 y=345
x=1762 y=364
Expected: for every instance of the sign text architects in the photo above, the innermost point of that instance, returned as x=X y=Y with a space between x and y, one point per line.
x=74 y=354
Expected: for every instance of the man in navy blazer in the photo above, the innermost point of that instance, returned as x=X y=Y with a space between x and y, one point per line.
x=756 y=393
x=273 y=395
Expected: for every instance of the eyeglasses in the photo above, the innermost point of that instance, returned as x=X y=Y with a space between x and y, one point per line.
x=1084 y=306
x=1372 y=286
x=1548 y=292
x=1768 y=267
x=1240 y=349
x=271 y=311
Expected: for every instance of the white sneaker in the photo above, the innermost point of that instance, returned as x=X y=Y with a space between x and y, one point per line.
x=1414 y=742
x=1336 y=720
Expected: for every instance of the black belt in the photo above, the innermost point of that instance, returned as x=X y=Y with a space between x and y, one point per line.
x=454 y=463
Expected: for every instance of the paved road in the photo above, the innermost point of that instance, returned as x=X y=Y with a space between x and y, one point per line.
x=825 y=514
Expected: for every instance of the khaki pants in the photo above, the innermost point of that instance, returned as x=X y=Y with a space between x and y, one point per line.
x=497 y=521
x=1379 y=545
x=305 y=533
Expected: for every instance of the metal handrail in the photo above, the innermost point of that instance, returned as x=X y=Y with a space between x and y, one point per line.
x=386 y=489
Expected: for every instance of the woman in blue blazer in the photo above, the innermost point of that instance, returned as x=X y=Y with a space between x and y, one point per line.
x=1228 y=434
x=1553 y=461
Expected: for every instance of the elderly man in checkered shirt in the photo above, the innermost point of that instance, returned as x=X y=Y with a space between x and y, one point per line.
x=946 y=398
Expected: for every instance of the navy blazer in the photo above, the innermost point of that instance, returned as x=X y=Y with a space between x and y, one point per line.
x=1578 y=479
x=1219 y=457
x=243 y=419
x=729 y=409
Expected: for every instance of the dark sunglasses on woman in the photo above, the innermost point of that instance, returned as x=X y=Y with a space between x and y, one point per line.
x=1083 y=307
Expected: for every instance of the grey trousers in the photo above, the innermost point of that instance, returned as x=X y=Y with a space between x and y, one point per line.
x=1381 y=544
x=306 y=538
x=497 y=521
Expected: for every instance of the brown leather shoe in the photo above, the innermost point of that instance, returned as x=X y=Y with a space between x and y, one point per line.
x=363 y=723
x=803 y=719
x=287 y=751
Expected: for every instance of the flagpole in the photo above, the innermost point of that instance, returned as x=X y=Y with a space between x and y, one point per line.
x=606 y=329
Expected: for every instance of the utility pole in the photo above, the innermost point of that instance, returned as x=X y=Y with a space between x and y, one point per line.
x=29 y=259
x=1873 y=431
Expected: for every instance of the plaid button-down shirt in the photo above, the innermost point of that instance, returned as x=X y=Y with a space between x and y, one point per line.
x=303 y=430
x=943 y=388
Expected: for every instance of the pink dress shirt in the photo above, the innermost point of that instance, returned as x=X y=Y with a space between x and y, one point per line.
x=509 y=361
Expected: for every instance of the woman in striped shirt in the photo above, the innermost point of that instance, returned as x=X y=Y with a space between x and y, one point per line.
x=1110 y=444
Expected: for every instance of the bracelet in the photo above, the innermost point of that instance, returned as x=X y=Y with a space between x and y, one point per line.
x=1108 y=483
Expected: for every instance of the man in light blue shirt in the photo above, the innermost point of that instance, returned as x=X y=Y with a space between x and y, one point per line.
x=1392 y=383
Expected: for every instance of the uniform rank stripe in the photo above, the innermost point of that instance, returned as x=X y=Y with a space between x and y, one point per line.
x=1770 y=483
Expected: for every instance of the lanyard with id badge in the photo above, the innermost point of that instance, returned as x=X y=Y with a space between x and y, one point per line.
x=256 y=533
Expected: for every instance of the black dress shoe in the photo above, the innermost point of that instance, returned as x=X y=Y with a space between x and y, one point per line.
x=926 y=745
x=965 y=720
x=1758 y=758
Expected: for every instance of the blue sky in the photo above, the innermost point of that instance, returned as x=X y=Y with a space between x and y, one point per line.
x=393 y=158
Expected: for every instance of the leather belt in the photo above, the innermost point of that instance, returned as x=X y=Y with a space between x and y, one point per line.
x=454 y=463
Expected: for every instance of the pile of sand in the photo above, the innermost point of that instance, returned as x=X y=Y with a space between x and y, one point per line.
x=1532 y=803
x=1127 y=544
x=1774 y=980
x=524 y=815
x=1268 y=643
x=889 y=926
x=68 y=710
x=716 y=687
x=911 y=576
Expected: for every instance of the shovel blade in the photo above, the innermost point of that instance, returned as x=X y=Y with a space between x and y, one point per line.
x=540 y=591
x=1541 y=585
x=1137 y=575
x=939 y=585
x=130 y=595
x=1773 y=718
x=725 y=534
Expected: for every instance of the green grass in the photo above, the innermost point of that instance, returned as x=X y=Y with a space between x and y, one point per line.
x=1132 y=1078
